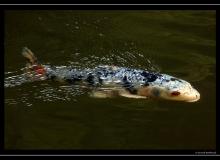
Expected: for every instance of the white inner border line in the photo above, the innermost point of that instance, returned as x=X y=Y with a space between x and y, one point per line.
x=119 y=4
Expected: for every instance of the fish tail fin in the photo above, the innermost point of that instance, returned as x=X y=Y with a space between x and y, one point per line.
x=29 y=55
x=32 y=64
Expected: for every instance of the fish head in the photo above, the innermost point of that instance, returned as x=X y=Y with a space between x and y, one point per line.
x=172 y=88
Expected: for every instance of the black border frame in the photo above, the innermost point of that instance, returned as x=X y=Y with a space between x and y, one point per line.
x=108 y=7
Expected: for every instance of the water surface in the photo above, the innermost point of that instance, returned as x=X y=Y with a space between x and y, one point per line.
x=51 y=115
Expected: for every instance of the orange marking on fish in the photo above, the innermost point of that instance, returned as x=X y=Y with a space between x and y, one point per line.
x=39 y=69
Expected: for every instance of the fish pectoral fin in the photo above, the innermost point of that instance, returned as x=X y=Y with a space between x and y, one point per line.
x=144 y=91
x=125 y=93
x=111 y=93
x=104 y=93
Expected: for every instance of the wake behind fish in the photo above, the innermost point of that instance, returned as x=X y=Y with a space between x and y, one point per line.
x=47 y=91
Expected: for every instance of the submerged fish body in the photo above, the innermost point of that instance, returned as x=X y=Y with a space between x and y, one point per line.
x=128 y=82
x=110 y=81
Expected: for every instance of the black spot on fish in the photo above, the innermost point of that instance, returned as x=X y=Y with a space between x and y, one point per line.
x=146 y=84
x=90 y=78
x=77 y=77
x=80 y=76
x=126 y=83
x=52 y=77
x=150 y=77
x=145 y=74
x=175 y=79
x=156 y=92
x=100 y=80
x=111 y=73
x=167 y=80
x=99 y=73
x=70 y=81
x=132 y=90
x=125 y=79
x=105 y=72
x=73 y=79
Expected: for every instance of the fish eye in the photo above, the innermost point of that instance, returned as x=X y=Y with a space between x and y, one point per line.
x=175 y=93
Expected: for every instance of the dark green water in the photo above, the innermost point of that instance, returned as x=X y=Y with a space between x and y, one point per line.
x=49 y=115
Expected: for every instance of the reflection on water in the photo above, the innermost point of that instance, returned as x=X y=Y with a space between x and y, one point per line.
x=52 y=115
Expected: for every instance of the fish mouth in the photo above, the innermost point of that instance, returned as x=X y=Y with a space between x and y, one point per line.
x=197 y=97
x=194 y=100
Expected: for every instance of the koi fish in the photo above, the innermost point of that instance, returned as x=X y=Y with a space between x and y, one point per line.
x=111 y=81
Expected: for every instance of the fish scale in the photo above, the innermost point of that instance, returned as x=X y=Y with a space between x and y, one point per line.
x=134 y=83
